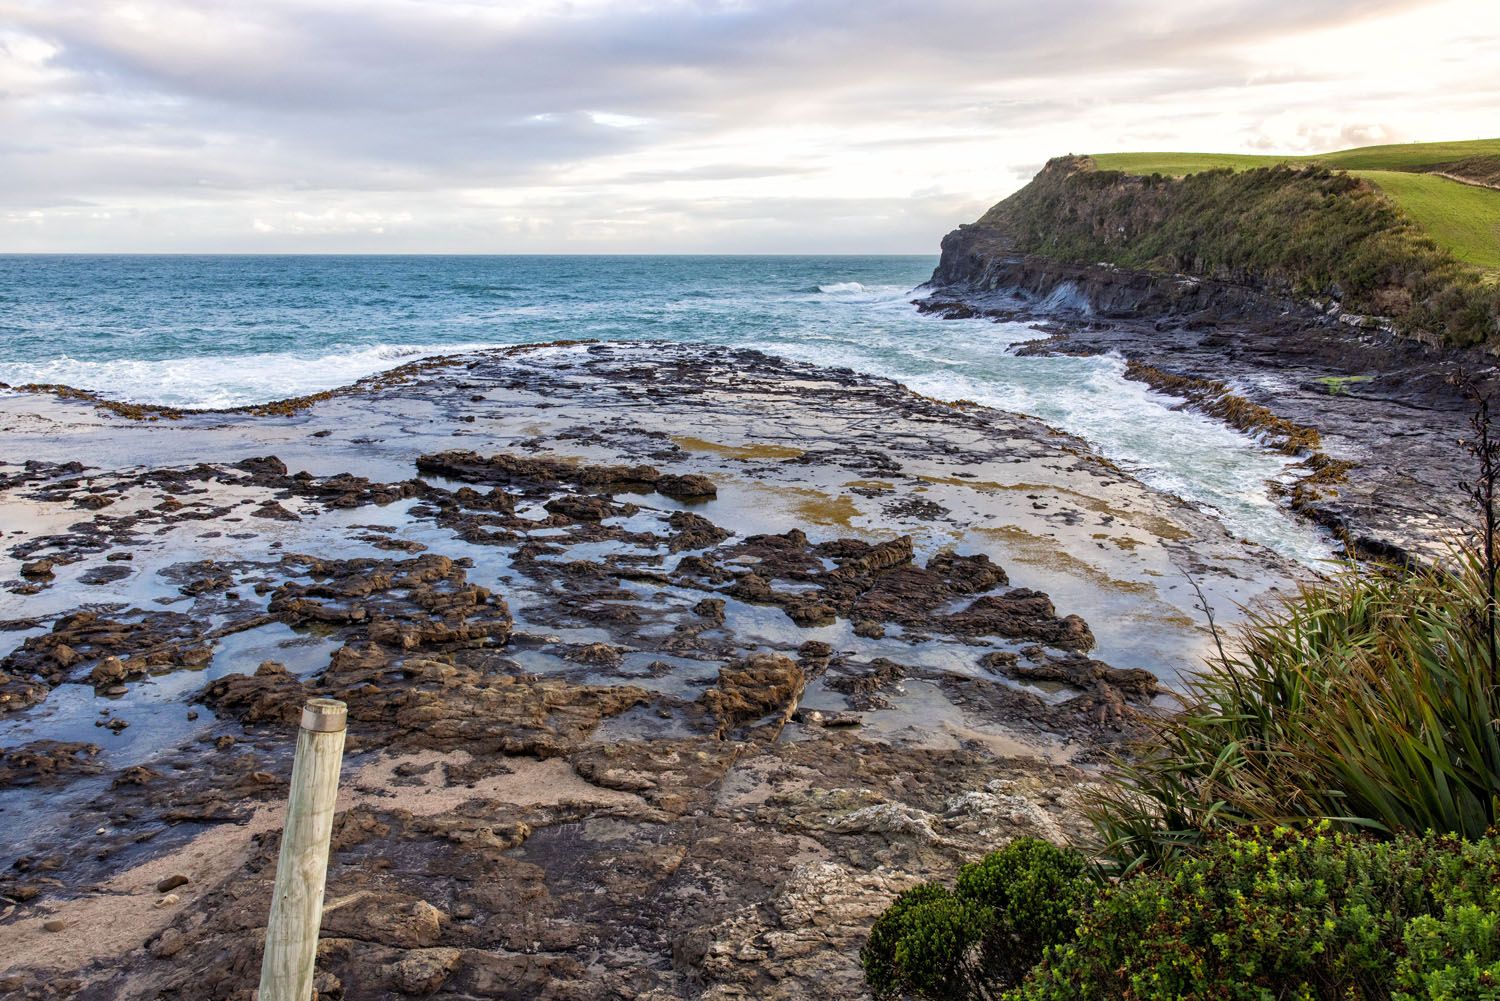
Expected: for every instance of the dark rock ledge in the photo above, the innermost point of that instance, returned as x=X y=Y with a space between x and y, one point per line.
x=1375 y=418
x=667 y=668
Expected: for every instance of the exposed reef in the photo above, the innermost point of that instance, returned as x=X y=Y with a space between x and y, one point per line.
x=667 y=667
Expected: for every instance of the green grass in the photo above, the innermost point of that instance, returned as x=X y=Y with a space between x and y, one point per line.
x=1337 y=385
x=1463 y=218
x=1307 y=231
x=1181 y=164
x=1402 y=157
x=1408 y=156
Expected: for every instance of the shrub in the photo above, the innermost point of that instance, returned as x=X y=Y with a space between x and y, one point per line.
x=971 y=942
x=1321 y=914
x=1368 y=699
x=1035 y=892
x=1302 y=230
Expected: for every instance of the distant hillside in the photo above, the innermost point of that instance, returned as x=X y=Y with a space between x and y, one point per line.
x=1395 y=242
x=1451 y=189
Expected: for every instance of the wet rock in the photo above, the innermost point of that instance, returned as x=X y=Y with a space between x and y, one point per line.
x=451 y=707
x=751 y=689
x=166 y=945
x=809 y=611
x=275 y=512
x=409 y=605
x=881 y=556
x=863 y=680
x=693 y=531
x=495 y=499
x=583 y=508
x=153 y=640
x=711 y=609
x=38 y=569
x=17 y=692
x=471 y=467
x=135 y=775
x=1021 y=614
x=104 y=575
x=690 y=486
x=1107 y=688
x=389 y=918
x=598 y=654
x=266 y=467
x=42 y=762
x=422 y=971
x=270 y=695
x=112 y=669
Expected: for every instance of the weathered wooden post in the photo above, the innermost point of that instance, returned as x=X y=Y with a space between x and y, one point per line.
x=286 y=972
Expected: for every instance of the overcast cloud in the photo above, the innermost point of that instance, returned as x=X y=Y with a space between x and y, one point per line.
x=536 y=126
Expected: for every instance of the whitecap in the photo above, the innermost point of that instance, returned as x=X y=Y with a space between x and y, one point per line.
x=231 y=380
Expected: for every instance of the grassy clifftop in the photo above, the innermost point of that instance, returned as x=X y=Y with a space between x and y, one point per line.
x=1305 y=228
x=1452 y=190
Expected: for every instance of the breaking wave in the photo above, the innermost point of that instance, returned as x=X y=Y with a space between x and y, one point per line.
x=214 y=381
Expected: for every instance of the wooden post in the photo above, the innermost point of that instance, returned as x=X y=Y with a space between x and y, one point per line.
x=286 y=971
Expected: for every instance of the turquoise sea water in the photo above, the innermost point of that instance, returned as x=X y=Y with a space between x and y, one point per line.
x=217 y=331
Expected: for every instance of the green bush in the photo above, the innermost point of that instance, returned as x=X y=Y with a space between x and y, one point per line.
x=1369 y=700
x=1035 y=893
x=1321 y=914
x=971 y=942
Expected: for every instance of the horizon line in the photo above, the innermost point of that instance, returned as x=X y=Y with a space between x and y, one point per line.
x=445 y=253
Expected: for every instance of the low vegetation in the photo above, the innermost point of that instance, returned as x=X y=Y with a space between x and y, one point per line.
x=1296 y=913
x=1306 y=231
x=1451 y=190
x=1292 y=914
x=1319 y=822
x=1369 y=700
x=985 y=934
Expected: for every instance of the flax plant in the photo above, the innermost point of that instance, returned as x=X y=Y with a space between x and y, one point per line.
x=1368 y=699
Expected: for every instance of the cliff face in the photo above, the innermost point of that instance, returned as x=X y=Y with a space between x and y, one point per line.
x=1273 y=238
x=977 y=259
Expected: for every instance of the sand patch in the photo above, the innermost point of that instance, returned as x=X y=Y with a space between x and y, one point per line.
x=126 y=912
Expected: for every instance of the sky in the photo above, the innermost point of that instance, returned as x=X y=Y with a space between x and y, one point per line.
x=718 y=126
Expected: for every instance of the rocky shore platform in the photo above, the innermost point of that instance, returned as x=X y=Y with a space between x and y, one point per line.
x=667 y=668
x=1375 y=418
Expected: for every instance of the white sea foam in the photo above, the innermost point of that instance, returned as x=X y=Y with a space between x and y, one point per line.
x=1181 y=452
x=866 y=325
x=211 y=381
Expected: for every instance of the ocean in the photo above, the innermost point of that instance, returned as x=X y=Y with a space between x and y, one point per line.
x=217 y=331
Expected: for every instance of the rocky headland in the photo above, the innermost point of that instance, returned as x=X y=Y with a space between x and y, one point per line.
x=1373 y=406
x=667 y=668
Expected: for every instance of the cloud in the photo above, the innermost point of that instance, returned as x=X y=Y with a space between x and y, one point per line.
x=680 y=124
